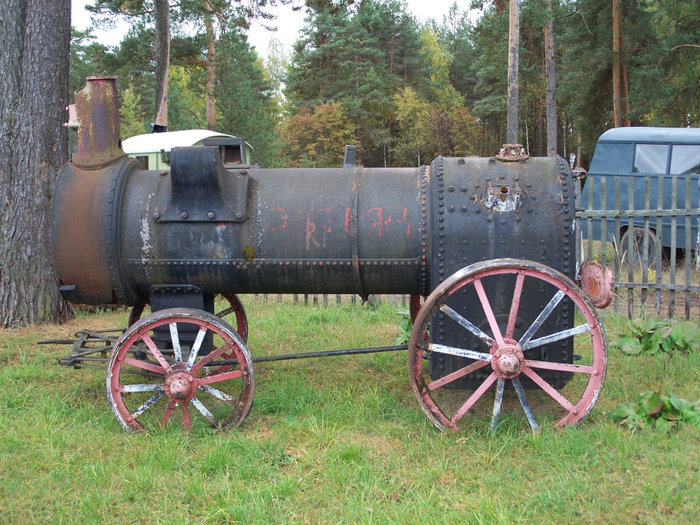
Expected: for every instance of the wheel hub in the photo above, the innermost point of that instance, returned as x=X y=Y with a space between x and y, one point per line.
x=507 y=360
x=180 y=385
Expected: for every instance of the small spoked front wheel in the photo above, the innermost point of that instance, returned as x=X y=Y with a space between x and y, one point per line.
x=180 y=360
x=511 y=355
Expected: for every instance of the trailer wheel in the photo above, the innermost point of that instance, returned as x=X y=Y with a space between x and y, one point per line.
x=508 y=357
x=636 y=256
x=234 y=307
x=179 y=372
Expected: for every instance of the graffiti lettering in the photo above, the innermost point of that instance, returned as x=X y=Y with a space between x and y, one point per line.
x=281 y=221
x=310 y=229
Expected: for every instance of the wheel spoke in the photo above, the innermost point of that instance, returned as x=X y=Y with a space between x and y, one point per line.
x=148 y=404
x=168 y=412
x=175 y=339
x=210 y=357
x=144 y=365
x=459 y=352
x=515 y=305
x=497 y=403
x=215 y=378
x=553 y=338
x=474 y=398
x=156 y=353
x=218 y=394
x=465 y=323
x=226 y=311
x=195 y=348
x=130 y=389
x=456 y=375
x=529 y=372
x=561 y=367
x=203 y=410
x=524 y=403
x=544 y=314
x=488 y=311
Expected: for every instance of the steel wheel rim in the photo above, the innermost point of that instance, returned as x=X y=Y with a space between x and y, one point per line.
x=181 y=383
x=427 y=390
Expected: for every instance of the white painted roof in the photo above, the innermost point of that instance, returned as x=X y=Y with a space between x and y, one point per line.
x=155 y=142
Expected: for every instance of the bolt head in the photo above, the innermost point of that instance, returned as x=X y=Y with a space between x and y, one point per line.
x=156 y=215
x=183 y=214
x=211 y=214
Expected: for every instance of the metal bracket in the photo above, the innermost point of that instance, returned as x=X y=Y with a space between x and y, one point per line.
x=202 y=190
x=354 y=211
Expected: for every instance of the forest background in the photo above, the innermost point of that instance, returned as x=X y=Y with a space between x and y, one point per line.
x=370 y=74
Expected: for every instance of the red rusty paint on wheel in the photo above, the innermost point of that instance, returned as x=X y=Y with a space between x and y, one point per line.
x=509 y=365
x=414 y=306
x=178 y=382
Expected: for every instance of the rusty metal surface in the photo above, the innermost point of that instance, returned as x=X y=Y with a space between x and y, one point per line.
x=306 y=231
x=597 y=283
x=512 y=153
x=504 y=198
x=85 y=233
x=97 y=121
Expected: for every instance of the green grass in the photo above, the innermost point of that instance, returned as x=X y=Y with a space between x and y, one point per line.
x=335 y=440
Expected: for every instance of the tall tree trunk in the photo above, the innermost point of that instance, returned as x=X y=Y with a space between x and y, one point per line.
x=162 y=9
x=551 y=102
x=211 y=66
x=625 y=92
x=617 y=111
x=513 y=54
x=33 y=145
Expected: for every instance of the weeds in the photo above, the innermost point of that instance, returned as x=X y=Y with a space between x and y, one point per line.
x=648 y=336
x=403 y=331
x=664 y=412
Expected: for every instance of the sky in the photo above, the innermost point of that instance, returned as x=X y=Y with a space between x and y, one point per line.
x=288 y=22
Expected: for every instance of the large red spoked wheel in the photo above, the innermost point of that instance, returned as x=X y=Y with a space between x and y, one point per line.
x=508 y=352
x=180 y=371
x=232 y=312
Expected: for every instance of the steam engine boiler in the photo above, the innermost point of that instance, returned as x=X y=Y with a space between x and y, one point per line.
x=174 y=240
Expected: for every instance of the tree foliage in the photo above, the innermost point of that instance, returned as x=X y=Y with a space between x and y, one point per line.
x=412 y=90
x=316 y=136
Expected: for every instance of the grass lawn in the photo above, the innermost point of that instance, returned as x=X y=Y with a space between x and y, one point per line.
x=334 y=440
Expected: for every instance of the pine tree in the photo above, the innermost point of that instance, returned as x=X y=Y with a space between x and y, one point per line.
x=131 y=120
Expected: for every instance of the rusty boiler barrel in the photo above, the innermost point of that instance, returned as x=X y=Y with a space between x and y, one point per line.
x=118 y=233
x=273 y=231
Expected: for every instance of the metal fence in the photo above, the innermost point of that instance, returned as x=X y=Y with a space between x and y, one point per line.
x=645 y=229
